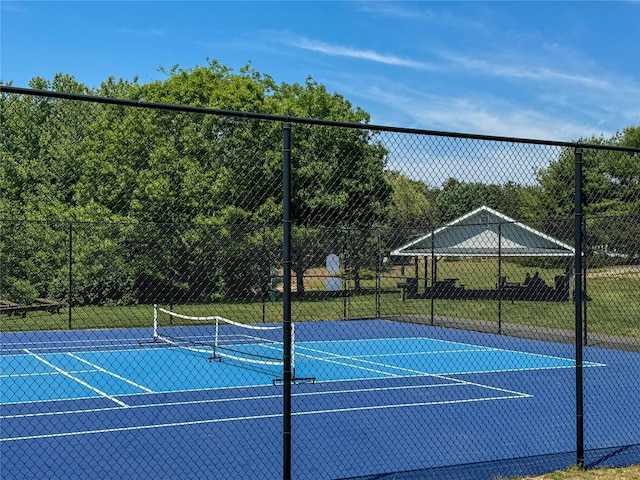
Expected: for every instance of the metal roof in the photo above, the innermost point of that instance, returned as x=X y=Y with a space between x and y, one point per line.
x=485 y=232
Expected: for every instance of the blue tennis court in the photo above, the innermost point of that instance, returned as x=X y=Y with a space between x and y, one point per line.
x=126 y=399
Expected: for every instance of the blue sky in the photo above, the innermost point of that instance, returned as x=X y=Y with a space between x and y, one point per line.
x=556 y=70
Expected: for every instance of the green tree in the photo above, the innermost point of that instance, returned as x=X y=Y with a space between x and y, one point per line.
x=611 y=180
x=68 y=160
x=610 y=195
x=410 y=204
x=458 y=198
x=338 y=174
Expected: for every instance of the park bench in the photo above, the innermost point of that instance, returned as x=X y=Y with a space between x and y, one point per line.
x=9 y=308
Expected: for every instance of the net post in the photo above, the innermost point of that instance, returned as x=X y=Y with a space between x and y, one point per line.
x=215 y=341
x=155 y=321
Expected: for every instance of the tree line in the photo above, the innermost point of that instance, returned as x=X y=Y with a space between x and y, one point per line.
x=185 y=206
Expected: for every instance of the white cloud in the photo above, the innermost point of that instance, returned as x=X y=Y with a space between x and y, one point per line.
x=491 y=118
x=404 y=12
x=544 y=101
x=370 y=55
x=479 y=112
x=596 y=95
x=522 y=69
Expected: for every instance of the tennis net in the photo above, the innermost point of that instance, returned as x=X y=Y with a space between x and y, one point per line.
x=218 y=338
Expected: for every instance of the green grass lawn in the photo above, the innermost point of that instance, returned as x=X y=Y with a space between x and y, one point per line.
x=614 y=307
x=629 y=473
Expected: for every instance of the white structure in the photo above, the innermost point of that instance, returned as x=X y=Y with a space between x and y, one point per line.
x=333 y=284
x=485 y=232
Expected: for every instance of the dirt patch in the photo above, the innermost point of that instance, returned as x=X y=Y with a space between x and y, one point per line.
x=627 y=271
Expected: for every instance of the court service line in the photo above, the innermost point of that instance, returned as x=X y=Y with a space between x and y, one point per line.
x=409 y=370
x=519 y=352
x=42 y=374
x=63 y=345
x=251 y=417
x=115 y=375
x=424 y=352
x=76 y=379
x=387 y=374
x=473 y=347
x=231 y=399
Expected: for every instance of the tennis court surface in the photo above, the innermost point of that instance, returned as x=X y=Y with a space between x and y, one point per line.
x=373 y=398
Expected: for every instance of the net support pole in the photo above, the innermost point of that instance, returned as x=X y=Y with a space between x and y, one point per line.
x=286 y=308
x=578 y=308
x=155 y=321
x=217 y=336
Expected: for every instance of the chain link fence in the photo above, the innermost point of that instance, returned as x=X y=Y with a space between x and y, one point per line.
x=188 y=292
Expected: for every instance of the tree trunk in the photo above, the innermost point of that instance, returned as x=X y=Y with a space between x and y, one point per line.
x=299 y=283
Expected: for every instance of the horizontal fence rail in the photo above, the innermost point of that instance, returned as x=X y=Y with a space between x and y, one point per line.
x=192 y=292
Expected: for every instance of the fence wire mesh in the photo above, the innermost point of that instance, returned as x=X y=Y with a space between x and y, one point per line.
x=434 y=298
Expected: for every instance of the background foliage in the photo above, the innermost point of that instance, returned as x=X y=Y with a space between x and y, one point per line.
x=146 y=187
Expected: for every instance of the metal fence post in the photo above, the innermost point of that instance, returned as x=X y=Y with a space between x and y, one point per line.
x=379 y=261
x=70 y=273
x=585 y=267
x=433 y=275
x=578 y=309
x=500 y=282
x=286 y=313
x=347 y=276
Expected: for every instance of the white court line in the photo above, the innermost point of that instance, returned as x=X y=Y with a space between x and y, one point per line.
x=263 y=385
x=64 y=344
x=387 y=374
x=472 y=347
x=415 y=372
x=115 y=375
x=76 y=379
x=420 y=373
x=425 y=352
x=520 y=352
x=253 y=417
x=234 y=399
x=42 y=374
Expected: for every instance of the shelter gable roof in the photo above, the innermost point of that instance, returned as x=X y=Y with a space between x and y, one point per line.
x=485 y=232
